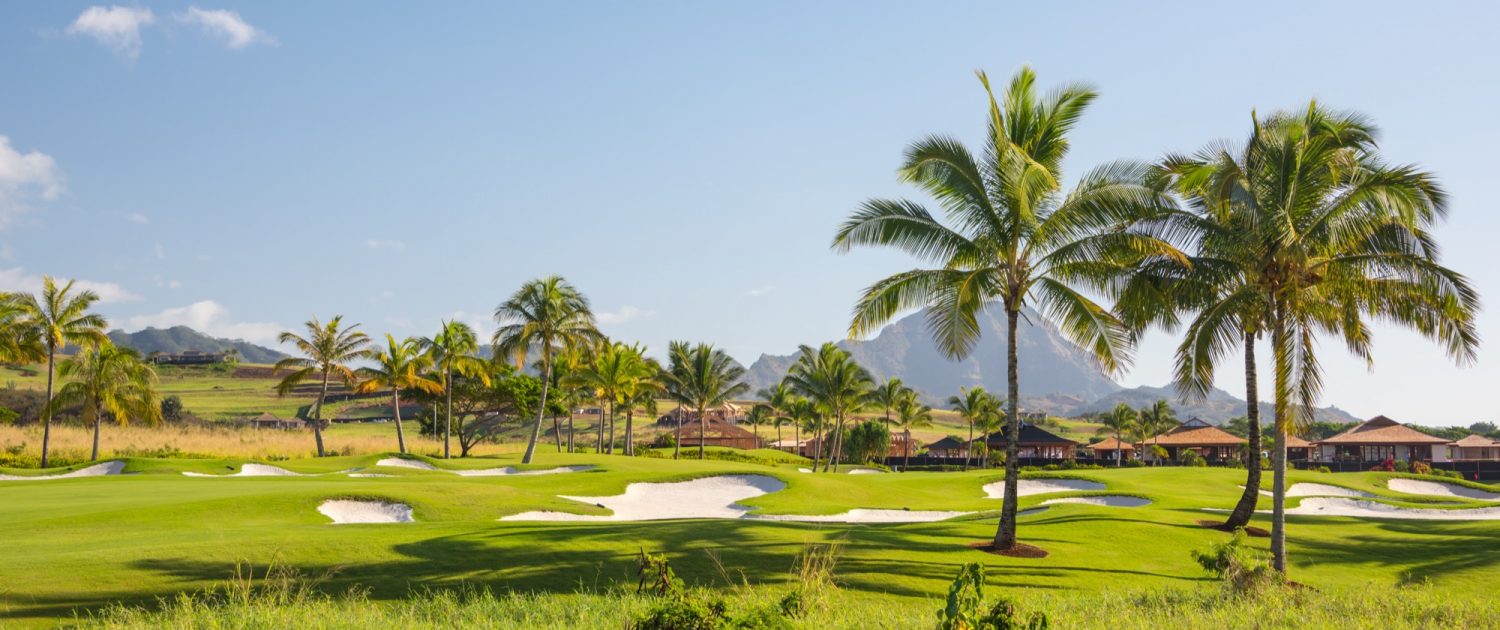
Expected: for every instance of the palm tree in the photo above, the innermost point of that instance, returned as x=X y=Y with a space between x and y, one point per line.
x=19 y=341
x=911 y=414
x=452 y=351
x=1017 y=240
x=328 y=348
x=973 y=405
x=400 y=366
x=1157 y=419
x=567 y=362
x=55 y=318
x=701 y=377
x=550 y=315
x=617 y=373
x=780 y=398
x=760 y=413
x=1120 y=422
x=803 y=414
x=640 y=393
x=830 y=377
x=886 y=395
x=108 y=380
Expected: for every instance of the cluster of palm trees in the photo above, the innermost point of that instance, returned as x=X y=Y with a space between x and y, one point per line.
x=1300 y=230
x=102 y=380
x=1130 y=425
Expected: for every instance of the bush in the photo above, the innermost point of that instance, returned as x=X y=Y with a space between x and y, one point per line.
x=1421 y=468
x=1402 y=467
x=961 y=609
x=1129 y=463
x=1324 y=469
x=1189 y=457
x=1241 y=568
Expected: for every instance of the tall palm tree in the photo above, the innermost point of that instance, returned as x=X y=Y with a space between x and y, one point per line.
x=20 y=342
x=1156 y=419
x=55 y=318
x=548 y=314
x=640 y=394
x=401 y=365
x=1016 y=239
x=328 y=349
x=803 y=414
x=974 y=405
x=759 y=414
x=911 y=414
x=887 y=395
x=567 y=362
x=701 y=377
x=453 y=351
x=1120 y=422
x=780 y=398
x=108 y=380
x=829 y=376
x=616 y=373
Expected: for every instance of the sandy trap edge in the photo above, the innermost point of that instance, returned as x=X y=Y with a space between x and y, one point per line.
x=1440 y=489
x=503 y=471
x=97 y=470
x=349 y=511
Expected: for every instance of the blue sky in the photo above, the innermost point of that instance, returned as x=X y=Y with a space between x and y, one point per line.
x=241 y=167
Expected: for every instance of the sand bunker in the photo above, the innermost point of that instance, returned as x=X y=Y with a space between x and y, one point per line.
x=369 y=475
x=804 y=470
x=708 y=497
x=864 y=516
x=253 y=470
x=1025 y=487
x=1105 y=501
x=345 y=511
x=417 y=464
x=97 y=470
x=866 y=471
x=1440 y=489
x=1317 y=490
x=1371 y=509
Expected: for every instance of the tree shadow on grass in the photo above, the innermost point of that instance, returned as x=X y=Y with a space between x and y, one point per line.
x=1426 y=550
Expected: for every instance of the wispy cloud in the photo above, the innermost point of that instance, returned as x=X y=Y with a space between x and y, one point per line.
x=161 y=253
x=624 y=314
x=210 y=318
x=381 y=243
x=760 y=291
x=17 y=280
x=23 y=177
x=136 y=217
x=226 y=26
x=117 y=28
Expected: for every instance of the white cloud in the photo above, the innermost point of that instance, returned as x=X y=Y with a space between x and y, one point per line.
x=625 y=314
x=379 y=243
x=210 y=318
x=759 y=291
x=483 y=324
x=17 y=280
x=225 y=25
x=136 y=217
x=160 y=252
x=23 y=176
x=117 y=28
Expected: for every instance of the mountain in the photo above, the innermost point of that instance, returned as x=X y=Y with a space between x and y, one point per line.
x=182 y=338
x=1051 y=367
x=1217 y=408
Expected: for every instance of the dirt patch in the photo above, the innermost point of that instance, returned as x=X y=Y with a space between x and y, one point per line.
x=1250 y=530
x=1020 y=550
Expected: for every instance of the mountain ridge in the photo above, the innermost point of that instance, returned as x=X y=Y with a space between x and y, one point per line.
x=184 y=338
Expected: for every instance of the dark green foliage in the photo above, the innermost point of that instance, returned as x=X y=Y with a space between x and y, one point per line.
x=867 y=441
x=962 y=609
x=171 y=409
x=1241 y=568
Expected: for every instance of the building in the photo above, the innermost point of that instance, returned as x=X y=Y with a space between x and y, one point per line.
x=718 y=434
x=949 y=447
x=1474 y=448
x=269 y=420
x=1380 y=439
x=1210 y=442
x=190 y=357
x=1297 y=449
x=1034 y=443
x=1111 y=448
x=728 y=413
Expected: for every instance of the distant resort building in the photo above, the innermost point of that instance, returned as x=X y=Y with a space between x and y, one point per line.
x=269 y=420
x=190 y=357
x=1380 y=439
x=1210 y=442
x=1474 y=448
x=728 y=413
x=1111 y=448
x=718 y=434
x=949 y=448
x=1034 y=443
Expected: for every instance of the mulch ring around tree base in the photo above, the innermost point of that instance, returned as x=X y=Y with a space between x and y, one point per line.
x=1020 y=550
x=1250 y=530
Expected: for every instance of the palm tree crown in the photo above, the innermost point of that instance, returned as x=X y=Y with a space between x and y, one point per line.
x=453 y=351
x=327 y=351
x=108 y=380
x=46 y=323
x=401 y=365
x=829 y=376
x=548 y=314
x=701 y=377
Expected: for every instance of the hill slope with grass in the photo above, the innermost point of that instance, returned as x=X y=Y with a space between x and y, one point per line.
x=182 y=339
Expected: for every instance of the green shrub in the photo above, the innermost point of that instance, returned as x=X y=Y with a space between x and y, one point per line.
x=1324 y=469
x=962 y=608
x=1421 y=468
x=1402 y=467
x=1241 y=568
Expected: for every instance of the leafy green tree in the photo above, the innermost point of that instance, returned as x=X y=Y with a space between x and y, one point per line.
x=171 y=409
x=1015 y=239
x=453 y=351
x=868 y=441
x=701 y=377
x=20 y=338
x=886 y=395
x=47 y=322
x=830 y=377
x=108 y=380
x=328 y=349
x=548 y=314
x=401 y=365
x=1120 y=422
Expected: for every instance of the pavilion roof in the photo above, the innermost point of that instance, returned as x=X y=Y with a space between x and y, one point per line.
x=1111 y=444
x=1196 y=432
x=1029 y=434
x=1474 y=439
x=1382 y=430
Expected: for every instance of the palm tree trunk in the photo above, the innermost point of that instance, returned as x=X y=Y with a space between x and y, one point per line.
x=1005 y=535
x=572 y=433
x=969 y=446
x=541 y=408
x=396 y=405
x=94 y=457
x=47 y=408
x=318 y=414
x=448 y=394
x=677 y=439
x=778 y=432
x=817 y=437
x=612 y=411
x=1240 y=517
x=557 y=432
x=906 y=452
x=630 y=430
x=1119 y=452
x=702 y=430
x=1278 y=450
x=599 y=431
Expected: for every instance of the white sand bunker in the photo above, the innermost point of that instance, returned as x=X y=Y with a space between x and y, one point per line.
x=707 y=497
x=370 y=475
x=1440 y=489
x=804 y=470
x=1114 y=500
x=1317 y=490
x=417 y=464
x=253 y=470
x=344 y=511
x=1025 y=487
x=866 y=471
x=1371 y=509
x=97 y=470
x=864 y=516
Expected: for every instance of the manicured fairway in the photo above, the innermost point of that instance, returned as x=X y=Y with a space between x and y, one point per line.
x=82 y=543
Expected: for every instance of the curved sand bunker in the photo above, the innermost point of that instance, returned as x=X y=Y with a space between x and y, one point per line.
x=253 y=470
x=1105 y=501
x=1317 y=490
x=1332 y=506
x=864 y=516
x=345 y=511
x=1026 y=487
x=1440 y=489
x=707 y=497
x=417 y=464
x=370 y=475
x=866 y=471
x=97 y=470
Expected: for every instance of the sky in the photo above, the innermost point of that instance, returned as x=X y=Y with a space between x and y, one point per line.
x=239 y=168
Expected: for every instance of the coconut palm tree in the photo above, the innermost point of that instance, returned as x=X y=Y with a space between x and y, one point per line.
x=886 y=395
x=759 y=414
x=328 y=348
x=19 y=341
x=401 y=365
x=911 y=414
x=1015 y=239
x=108 y=380
x=974 y=405
x=803 y=414
x=548 y=314
x=49 y=321
x=701 y=377
x=829 y=376
x=1156 y=419
x=1119 y=422
x=616 y=373
x=780 y=398
x=640 y=394
x=453 y=352
x=568 y=361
